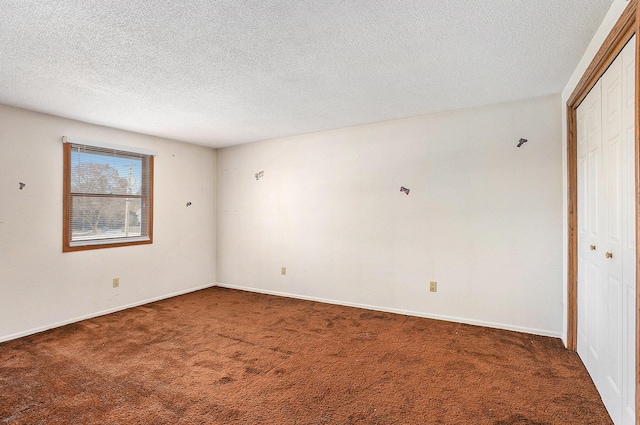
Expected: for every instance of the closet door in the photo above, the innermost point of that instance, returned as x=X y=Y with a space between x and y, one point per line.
x=629 y=331
x=606 y=236
x=591 y=238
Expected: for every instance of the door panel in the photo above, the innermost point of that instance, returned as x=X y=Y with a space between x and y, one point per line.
x=613 y=365
x=594 y=310
x=590 y=241
x=614 y=194
x=582 y=308
x=629 y=367
x=583 y=223
x=593 y=124
x=629 y=249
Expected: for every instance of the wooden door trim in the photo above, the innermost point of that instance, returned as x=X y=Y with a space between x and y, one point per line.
x=627 y=25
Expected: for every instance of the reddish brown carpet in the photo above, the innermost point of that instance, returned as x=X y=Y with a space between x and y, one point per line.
x=220 y=356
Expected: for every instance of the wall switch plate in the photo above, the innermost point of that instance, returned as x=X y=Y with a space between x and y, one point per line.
x=283 y=271
x=433 y=286
x=116 y=282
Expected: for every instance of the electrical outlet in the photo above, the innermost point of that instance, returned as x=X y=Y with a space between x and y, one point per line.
x=433 y=286
x=283 y=271
x=116 y=282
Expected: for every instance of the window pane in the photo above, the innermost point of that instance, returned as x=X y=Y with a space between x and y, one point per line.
x=105 y=218
x=110 y=173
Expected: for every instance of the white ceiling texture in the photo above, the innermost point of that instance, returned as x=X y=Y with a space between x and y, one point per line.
x=225 y=72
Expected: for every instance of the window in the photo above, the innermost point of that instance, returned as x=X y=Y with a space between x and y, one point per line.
x=108 y=197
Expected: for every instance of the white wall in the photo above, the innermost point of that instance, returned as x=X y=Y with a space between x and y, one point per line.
x=617 y=8
x=483 y=218
x=40 y=286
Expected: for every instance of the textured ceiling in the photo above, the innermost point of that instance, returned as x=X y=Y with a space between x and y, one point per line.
x=225 y=72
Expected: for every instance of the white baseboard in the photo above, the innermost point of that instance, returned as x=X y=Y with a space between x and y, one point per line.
x=456 y=319
x=100 y=313
x=288 y=295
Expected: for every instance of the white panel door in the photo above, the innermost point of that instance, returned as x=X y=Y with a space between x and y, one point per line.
x=628 y=312
x=610 y=384
x=591 y=225
x=606 y=236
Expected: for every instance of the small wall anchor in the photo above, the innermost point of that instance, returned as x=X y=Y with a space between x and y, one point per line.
x=259 y=175
x=405 y=190
x=522 y=142
x=188 y=204
x=22 y=185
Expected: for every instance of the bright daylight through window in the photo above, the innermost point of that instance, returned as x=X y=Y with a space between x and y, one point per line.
x=108 y=197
